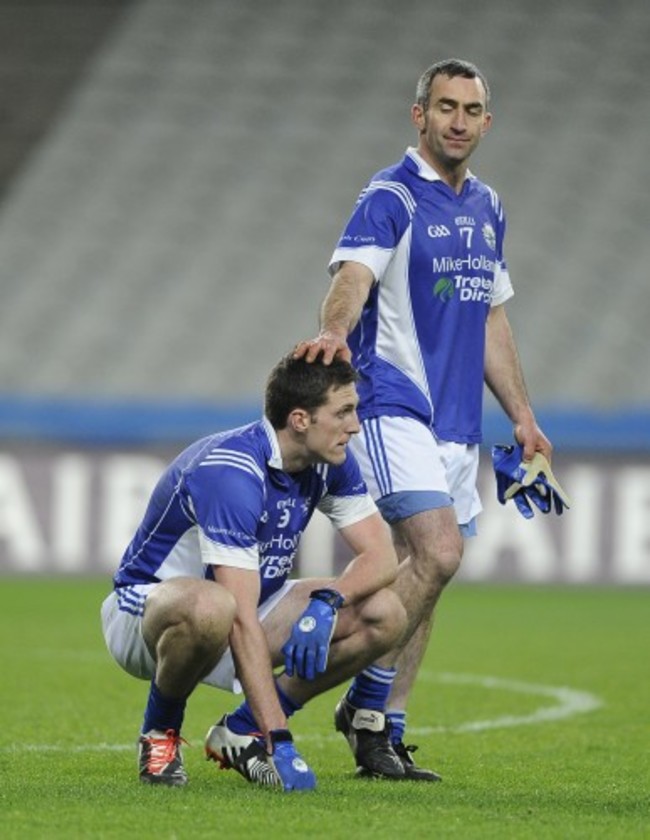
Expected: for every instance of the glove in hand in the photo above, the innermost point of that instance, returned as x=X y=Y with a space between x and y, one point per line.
x=526 y=481
x=284 y=767
x=292 y=770
x=306 y=650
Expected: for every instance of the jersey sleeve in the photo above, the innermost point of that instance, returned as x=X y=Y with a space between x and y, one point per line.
x=502 y=289
x=346 y=499
x=376 y=226
x=227 y=496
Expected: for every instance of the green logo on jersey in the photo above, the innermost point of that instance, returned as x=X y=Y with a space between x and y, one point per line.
x=444 y=289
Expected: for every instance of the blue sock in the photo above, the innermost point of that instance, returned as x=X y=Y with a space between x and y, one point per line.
x=242 y=721
x=370 y=688
x=289 y=706
x=162 y=712
x=397 y=722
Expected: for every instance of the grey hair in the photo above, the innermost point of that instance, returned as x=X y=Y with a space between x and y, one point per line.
x=450 y=67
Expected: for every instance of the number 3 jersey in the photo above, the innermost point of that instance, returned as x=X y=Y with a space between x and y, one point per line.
x=226 y=501
x=437 y=258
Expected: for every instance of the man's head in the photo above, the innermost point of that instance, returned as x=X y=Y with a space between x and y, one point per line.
x=452 y=68
x=451 y=113
x=314 y=406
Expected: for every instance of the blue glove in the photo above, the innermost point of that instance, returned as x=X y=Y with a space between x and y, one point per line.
x=508 y=470
x=526 y=481
x=507 y=462
x=284 y=767
x=545 y=493
x=292 y=770
x=520 y=498
x=307 y=648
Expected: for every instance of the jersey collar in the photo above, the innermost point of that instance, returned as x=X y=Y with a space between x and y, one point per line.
x=424 y=169
x=275 y=459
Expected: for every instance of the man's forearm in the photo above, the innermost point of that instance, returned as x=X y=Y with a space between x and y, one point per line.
x=344 y=302
x=504 y=377
x=374 y=565
x=254 y=670
x=503 y=372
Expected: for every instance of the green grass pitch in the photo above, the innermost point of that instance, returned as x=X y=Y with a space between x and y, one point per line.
x=533 y=703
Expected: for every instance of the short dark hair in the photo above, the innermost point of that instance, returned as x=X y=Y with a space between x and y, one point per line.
x=450 y=67
x=295 y=383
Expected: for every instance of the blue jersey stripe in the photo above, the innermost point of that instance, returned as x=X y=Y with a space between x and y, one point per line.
x=130 y=601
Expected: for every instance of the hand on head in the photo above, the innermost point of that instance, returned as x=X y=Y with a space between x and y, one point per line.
x=330 y=345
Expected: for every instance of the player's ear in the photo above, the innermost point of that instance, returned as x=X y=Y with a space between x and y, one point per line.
x=299 y=420
x=418 y=118
x=487 y=122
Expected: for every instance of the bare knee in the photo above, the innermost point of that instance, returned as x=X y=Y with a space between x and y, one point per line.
x=423 y=576
x=435 y=556
x=384 y=618
x=443 y=565
x=431 y=546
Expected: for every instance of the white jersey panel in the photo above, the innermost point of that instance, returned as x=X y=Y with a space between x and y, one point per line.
x=502 y=290
x=222 y=555
x=397 y=339
x=347 y=510
x=376 y=259
x=184 y=560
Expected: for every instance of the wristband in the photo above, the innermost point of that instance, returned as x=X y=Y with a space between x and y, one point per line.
x=330 y=597
x=279 y=736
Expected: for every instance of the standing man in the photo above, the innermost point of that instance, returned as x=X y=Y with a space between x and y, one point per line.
x=203 y=592
x=417 y=303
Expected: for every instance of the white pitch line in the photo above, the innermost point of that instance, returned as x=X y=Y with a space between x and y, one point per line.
x=569 y=702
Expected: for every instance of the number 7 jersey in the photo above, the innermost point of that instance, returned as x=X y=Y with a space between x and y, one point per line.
x=437 y=258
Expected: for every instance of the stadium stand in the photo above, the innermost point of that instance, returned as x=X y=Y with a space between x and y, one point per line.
x=167 y=235
x=173 y=178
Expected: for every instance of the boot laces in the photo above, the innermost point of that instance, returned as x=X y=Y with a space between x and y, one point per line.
x=162 y=751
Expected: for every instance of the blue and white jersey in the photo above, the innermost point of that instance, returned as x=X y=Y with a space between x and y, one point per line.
x=438 y=261
x=226 y=501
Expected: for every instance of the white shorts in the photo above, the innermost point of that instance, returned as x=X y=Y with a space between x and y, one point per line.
x=122 y=613
x=408 y=470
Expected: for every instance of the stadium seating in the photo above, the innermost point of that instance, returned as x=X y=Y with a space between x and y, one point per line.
x=169 y=234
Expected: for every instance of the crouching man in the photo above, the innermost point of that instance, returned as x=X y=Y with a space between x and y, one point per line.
x=203 y=594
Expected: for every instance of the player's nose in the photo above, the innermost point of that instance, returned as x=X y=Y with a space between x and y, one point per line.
x=354 y=427
x=459 y=122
